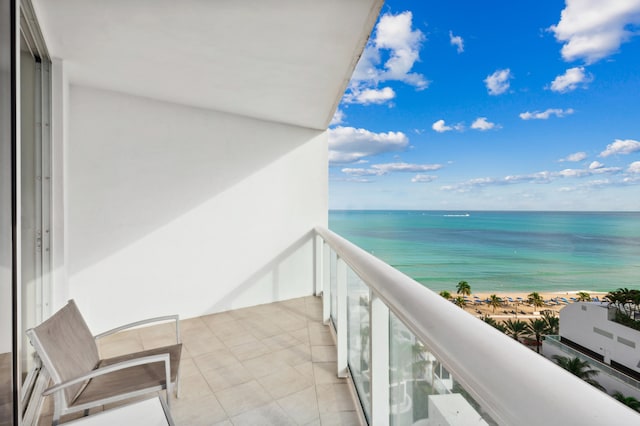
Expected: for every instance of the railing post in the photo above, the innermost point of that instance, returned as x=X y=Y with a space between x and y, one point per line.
x=318 y=282
x=379 y=356
x=341 y=314
x=326 y=282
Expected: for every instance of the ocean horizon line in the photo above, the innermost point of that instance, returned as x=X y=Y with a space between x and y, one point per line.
x=484 y=210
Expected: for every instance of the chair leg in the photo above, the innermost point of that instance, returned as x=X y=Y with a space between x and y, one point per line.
x=57 y=408
x=178 y=383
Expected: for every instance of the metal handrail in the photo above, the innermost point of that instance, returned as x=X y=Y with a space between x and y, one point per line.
x=505 y=377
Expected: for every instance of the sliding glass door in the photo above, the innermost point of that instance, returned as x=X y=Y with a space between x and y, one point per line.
x=35 y=187
x=8 y=210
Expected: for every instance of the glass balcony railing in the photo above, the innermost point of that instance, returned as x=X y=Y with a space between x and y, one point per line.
x=556 y=343
x=416 y=359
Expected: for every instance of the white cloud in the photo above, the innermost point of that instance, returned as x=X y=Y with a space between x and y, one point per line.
x=567 y=189
x=456 y=41
x=542 y=177
x=597 y=183
x=395 y=39
x=634 y=167
x=406 y=167
x=544 y=115
x=596 y=165
x=440 y=127
x=573 y=173
x=539 y=177
x=594 y=29
x=386 y=168
x=348 y=144
x=361 y=172
x=350 y=179
x=338 y=117
x=570 y=80
x=498 y=82
x=470 y=184
x=621 y=147
x=419 y=178
x=482 y=124
x=575 y=157
x=369 y=96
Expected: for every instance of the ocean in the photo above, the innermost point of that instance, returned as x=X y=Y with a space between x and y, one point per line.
x=502 y=251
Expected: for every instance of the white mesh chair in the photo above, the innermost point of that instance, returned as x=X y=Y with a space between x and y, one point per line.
x=81 y=380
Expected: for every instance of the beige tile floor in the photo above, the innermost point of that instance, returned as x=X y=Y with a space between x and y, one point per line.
x=271 y=364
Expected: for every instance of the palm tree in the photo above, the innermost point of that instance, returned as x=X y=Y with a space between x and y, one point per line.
x=623 y=297
x=495 y=302
x=535 y=299
x=583 y=296
x=515 y=328
x=445 y=294
x=552 y=322
x=615 y=298
x=493 y=323
x=578 y=368
x=629 y=401
x=537 y=327
x=463 y=288
x=635 y=299
x=460 y=301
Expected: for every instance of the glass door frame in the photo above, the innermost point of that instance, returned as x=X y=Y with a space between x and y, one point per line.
x=36 y=303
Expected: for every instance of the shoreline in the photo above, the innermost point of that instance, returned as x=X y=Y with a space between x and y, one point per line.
x=514 y=308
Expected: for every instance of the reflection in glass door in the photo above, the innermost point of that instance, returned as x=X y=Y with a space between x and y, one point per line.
x=8 y=412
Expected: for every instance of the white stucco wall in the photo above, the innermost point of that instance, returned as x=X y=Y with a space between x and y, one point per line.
x=577 y=322
x=173 y=209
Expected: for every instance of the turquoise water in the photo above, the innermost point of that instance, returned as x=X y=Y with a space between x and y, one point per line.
x=502 y=251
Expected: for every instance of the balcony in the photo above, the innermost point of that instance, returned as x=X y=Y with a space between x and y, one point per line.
x=268 y=364
x=410 y=357
x=418 y=359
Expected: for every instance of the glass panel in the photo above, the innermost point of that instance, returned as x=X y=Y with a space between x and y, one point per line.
x=333 y=259
x=359 y=338
x=6 y=188
x=421 y=390
x=30 y=209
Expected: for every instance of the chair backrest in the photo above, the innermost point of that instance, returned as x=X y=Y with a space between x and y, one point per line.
x=66 y=347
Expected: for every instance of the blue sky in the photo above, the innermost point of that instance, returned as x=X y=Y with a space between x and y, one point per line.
x=501 y=105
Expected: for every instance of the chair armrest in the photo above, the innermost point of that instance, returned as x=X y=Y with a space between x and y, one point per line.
x=143 y=322
x=115 y=367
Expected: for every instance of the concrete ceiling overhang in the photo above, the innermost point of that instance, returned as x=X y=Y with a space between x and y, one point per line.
x=278 y=60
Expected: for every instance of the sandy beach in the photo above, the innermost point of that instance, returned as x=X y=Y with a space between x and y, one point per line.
x=512 y=307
